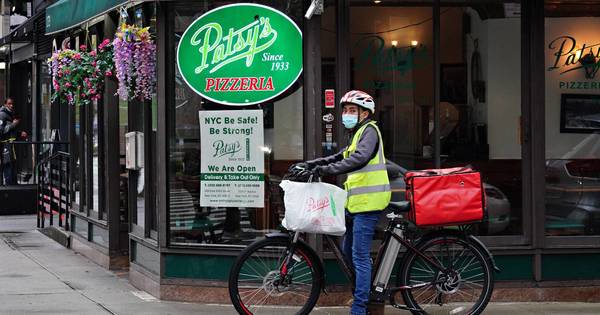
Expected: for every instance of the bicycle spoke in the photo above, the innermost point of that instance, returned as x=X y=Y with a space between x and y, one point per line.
x=461 y=279
x=424 y=289
x=302 y=278
x=259 y=282
x=264 y=264
x=250 y=292
x=471 y=270
x=466 y=294
x=468 y=264
x=432 y=299
x=293 y=270
x=251 y=298
x=421 y=269
x=425 y=265
x=251 y=267
x=471 y=277
x=252 y=276
x=262 y=300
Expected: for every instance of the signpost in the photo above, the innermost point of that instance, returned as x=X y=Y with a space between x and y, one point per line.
x=232 y=159
x=241 y=54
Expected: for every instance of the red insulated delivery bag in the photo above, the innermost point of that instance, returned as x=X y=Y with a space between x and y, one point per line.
x=449 y=196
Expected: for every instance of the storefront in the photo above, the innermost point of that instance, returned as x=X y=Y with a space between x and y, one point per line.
x=505 y=86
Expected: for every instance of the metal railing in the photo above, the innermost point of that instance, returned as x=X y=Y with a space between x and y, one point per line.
x=45 y=167
x=54 y=189
x=28 y=155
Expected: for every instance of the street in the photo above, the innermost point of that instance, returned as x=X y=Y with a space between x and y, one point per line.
x=39 y=276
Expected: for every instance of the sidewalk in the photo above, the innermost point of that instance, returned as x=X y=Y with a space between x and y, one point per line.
x=39 y=276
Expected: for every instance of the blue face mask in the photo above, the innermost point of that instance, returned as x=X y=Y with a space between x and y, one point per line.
x=349 y=121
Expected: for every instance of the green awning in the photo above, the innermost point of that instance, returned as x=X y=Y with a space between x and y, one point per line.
x=65 y=14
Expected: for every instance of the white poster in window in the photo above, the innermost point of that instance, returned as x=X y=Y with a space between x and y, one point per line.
x=232 y=161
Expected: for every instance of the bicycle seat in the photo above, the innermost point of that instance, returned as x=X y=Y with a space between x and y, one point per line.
x=399 y=206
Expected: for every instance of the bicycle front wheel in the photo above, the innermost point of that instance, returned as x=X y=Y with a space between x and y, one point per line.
x=464 y=286
x=261 y=284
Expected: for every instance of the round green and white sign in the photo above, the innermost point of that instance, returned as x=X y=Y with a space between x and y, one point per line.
x=241 y=54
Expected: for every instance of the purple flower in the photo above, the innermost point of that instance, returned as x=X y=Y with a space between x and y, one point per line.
x=135 y=64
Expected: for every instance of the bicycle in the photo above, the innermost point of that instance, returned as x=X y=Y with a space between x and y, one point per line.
x=442 y=272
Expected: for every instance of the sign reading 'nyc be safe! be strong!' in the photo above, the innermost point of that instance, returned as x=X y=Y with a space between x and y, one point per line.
x=241 y=54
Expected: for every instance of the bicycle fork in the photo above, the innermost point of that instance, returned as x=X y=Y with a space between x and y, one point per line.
x=289 y=257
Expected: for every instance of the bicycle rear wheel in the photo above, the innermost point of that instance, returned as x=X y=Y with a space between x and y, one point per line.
x=260 y=283
x=465 y=287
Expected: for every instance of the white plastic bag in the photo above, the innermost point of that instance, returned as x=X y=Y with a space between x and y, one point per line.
x=314 y=207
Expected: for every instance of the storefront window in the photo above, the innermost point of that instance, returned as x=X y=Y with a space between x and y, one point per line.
x=124 y=175
x=398 y=74
x=76 y=151
x=391 y=58
x=139 y=116
x=385 y=64
x=191 y=223
x=153 y=149
x=480 y=104
x=95 y=148
x=45 y=127
x=480 y=95
x=572 y=121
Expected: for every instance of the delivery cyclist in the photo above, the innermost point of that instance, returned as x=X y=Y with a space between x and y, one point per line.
x=367 y=185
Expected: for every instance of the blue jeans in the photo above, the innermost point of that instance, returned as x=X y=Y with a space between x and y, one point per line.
x=357 y=248
x=8 y=173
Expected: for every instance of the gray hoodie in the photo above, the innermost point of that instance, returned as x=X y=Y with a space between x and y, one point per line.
x=366 y=149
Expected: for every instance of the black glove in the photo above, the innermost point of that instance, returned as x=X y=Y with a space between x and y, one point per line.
x=317 y=171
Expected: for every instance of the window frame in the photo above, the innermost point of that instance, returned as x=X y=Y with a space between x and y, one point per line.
x=549 y=241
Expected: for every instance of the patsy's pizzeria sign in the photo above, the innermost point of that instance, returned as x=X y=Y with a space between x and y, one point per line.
x=241 y=54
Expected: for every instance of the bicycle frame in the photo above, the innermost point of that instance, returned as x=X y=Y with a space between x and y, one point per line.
x=385 y=259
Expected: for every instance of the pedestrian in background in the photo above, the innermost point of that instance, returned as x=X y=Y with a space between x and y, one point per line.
x=8 y=134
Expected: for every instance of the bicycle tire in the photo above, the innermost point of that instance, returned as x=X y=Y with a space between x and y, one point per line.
x=304 y=252
x=448 y=237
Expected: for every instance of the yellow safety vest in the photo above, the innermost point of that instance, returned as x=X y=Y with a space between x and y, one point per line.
x=369 y=187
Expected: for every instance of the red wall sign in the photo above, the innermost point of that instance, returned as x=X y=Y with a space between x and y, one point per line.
x=329 y=98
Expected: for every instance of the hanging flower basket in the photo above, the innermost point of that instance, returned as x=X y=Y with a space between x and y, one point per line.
x=135 y=62
x=79 y=75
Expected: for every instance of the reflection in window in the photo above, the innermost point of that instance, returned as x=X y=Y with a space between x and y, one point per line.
x=95 y=157
x=45 y=104
x=123 y=176
x=80 y=175
x=480 y=109
x=480 y=93
x=391 y=59
x=572 y=123
x=283 y=141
